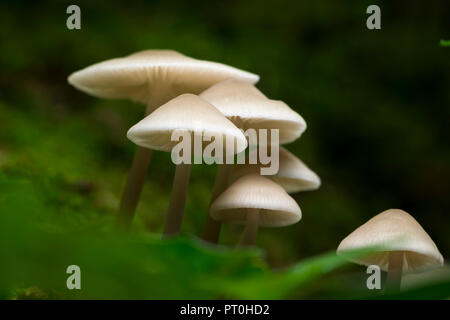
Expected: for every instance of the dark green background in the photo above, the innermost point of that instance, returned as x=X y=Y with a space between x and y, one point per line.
x=376 y=104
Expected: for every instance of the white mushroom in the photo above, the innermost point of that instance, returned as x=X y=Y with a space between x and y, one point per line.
x=293 y=174
x=153 y=77
x=193 y=116
x=255 y=201
x=406 y=245
x=249 y=108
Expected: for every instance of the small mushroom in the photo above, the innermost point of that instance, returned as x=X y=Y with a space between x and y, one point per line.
x=194 y=116
x=152 y=77
x=293 y=175
x=406 y=245
x=255 y=201
x=247 y=108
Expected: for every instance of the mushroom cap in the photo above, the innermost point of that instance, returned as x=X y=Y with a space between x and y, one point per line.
x=185 y=113
x=276 y=207
x=247 y=107
x=139 y=75
x=293 y=175
x=394 y=230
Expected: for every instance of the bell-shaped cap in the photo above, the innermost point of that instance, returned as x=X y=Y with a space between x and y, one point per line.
x=247 y=107
x=186 y=113
x=146 y=73
x=293 y=175
x=276 y=207
x=394 y=230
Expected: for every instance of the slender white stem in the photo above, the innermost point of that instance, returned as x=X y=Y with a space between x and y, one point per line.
x=395 y=269
x=211 y=228
x=177 y=200
x=248 y=237
x=137 y=174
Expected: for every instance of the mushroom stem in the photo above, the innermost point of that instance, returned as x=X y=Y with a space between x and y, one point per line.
x=177 y=200
x=133 y=187
x=211 y=228
x=395 y=268
x=248 y=237
x=138 y=172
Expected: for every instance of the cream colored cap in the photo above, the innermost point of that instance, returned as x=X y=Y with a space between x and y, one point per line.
x=276 y=207
x=293 y=175
x=248 y=108
x=185 y=113
x=139 y=75
x=394 y=230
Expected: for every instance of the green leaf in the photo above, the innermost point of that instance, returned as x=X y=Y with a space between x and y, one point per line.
x=279 y=284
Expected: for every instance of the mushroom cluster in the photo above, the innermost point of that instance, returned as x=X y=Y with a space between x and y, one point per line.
x=152 y=77
x=186 y=97
x=203 y=101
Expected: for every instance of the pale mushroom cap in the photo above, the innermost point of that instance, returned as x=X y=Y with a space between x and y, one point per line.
x=139 y=75
x=293 y=175
x=394 y=230
x=247 y=107
x=276 y=207
x=185 y=113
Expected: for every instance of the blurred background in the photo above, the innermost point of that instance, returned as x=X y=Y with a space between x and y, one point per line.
x=376 y=104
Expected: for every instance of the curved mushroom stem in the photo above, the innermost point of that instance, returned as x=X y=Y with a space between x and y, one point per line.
x=137 y=174
x=133 y=187
x=211 y=228
x=177 y=200
x=394 y=276
x=248 y=237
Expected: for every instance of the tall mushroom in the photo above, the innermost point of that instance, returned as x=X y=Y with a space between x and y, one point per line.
x=190 y=115
x=255 y=201
x=248 y=108
x=406 y=245
x=293 y=175
x=152 y=77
